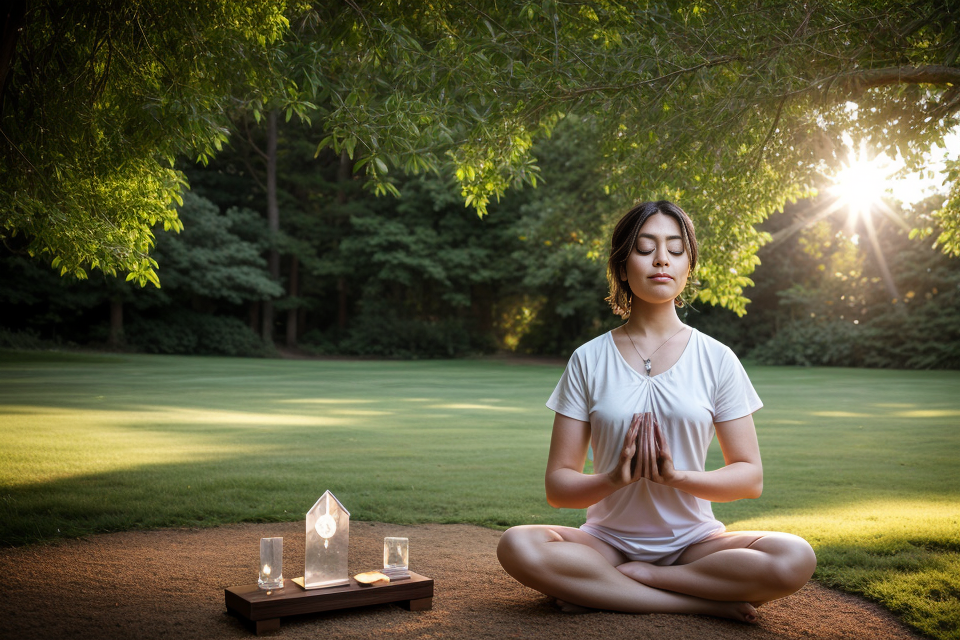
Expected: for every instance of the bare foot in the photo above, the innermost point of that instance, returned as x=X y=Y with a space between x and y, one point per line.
x=643 y=572
x=740 y=611
x=639 y=571
x=567 y=607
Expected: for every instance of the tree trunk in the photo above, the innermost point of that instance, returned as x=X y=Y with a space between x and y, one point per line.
x=253 y=315
x=301 y=321
x=481 y=308
x=341 y=302
x=292 y=313
x=116 y=323
x=273 y=221
x=344 y=173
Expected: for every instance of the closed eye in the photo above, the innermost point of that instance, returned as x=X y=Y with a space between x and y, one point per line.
x=646 y=252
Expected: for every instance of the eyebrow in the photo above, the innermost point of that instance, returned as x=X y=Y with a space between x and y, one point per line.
x=653 y=237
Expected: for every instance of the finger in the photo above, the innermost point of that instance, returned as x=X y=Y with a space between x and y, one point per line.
x=658 y=451
x=641 y=463
x=630 y=442
x=654 y=451
x=662 y=443
x=647 y=457
x=641 y=454
x=627 y=443
x=632 y=431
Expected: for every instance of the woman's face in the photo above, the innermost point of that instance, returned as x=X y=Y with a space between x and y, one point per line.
x=659 y=265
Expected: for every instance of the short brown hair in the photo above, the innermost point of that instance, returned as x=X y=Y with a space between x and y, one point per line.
x=624 y=241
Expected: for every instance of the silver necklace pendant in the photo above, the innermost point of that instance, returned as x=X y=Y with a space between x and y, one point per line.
x=646 y=361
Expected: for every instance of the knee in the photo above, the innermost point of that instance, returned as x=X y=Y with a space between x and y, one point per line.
x=514 y=542
x=507 y=547
x=518 y=547
x=793 y=565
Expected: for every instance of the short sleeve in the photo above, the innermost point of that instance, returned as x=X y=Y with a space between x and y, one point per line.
x=570 y=396
x=735 y=396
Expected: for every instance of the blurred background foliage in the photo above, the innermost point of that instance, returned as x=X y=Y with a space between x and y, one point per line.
x=419 y=276
x=286 y=119
x=734 y=108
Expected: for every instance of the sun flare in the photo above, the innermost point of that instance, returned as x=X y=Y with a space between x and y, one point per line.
x=862 y=182
x=860 y=187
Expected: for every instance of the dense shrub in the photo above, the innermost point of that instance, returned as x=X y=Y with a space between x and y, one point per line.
x=194 y=333
x=387 y=336
x=22 y=340
x=824 y=343
x=924 y=337
x=320 y=343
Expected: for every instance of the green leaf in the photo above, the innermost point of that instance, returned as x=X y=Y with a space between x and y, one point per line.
x=323 y=144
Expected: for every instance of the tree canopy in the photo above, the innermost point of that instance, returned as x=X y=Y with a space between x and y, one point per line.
x=733 y=109
x=730 y=108
x=98 y=100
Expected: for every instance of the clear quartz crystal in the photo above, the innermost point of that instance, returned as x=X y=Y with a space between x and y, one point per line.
x=647 y=366
x=327 y=544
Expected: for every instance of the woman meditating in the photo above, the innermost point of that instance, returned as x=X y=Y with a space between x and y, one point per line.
x=649 y=397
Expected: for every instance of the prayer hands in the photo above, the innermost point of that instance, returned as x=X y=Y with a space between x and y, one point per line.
x=645 y=454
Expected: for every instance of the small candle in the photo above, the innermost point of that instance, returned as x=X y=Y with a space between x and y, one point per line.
x=271 y=563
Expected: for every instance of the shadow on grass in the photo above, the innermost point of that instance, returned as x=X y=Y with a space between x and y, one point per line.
x=273 y=486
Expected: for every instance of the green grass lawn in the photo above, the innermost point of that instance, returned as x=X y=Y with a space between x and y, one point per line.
x=864 y=464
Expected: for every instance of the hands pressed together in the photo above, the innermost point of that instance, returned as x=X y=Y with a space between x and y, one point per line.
x=645 y=454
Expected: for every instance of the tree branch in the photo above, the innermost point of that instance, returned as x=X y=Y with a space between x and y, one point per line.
x=770 y=131
x=566 y=96
x=253 y=145
x=854 y=83
x=858 y=81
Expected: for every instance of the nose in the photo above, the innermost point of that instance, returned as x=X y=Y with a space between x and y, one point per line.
x=661 y=257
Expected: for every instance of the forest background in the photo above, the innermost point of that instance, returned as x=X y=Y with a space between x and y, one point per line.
x=420 y=276
x=361 y=245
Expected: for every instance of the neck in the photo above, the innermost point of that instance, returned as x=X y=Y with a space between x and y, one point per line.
x=653 y=319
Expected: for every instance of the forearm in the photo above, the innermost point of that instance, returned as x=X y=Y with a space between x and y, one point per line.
x=569 y=489
x=735 y=481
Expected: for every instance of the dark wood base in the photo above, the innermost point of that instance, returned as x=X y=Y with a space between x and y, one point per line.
x=265 y=608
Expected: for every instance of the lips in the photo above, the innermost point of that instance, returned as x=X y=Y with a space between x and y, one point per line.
x=661 y=277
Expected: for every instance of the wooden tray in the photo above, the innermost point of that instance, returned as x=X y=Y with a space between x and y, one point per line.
x=265 y=608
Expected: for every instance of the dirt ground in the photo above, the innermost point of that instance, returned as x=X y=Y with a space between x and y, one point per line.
x=170 y=584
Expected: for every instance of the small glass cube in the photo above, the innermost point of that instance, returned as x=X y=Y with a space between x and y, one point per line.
x=396 y=558
x=271 y=564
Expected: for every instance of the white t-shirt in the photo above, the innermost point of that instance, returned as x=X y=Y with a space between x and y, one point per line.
x=645 y=520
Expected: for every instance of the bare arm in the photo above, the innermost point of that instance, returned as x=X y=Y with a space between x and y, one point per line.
x=566 y=484
x=740 y=477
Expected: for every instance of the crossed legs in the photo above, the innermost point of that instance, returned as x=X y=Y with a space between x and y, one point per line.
x=755 y=566
x=726 y=576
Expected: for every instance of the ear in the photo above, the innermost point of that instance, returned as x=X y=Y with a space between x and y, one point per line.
x=623 y=274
